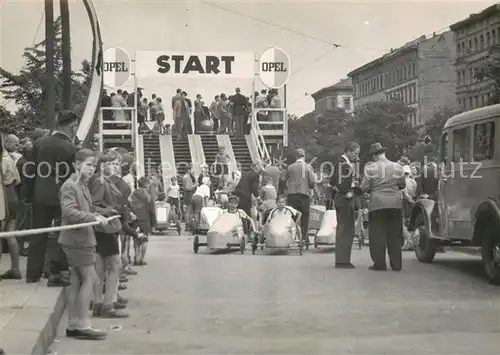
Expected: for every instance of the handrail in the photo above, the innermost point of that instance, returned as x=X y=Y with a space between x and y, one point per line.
x=93 y=103
x=259 y=138
x=25 y=232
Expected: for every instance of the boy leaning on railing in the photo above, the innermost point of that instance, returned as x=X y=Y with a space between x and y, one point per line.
x=79 y=245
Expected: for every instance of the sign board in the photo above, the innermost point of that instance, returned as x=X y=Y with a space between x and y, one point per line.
x=164 y=64
x=274 y=68
x=116 y=67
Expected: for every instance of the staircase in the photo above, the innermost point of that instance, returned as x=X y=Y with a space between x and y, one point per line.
x=182 y=156
x=241 y=153
x=152 y=155
x=210 y=149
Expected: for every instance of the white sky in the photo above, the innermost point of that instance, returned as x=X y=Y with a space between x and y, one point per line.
x=366 y=29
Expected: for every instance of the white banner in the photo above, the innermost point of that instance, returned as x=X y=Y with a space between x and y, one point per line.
x=158 y=64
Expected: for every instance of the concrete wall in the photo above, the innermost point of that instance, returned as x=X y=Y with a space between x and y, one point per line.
x=437 y=75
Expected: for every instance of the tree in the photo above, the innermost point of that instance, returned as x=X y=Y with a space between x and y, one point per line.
x=322 y=136
x=432 y=129
x=490 y=70
x=385 y=122
x=26 y=89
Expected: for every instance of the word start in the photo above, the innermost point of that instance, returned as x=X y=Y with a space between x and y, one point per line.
x=210 y=64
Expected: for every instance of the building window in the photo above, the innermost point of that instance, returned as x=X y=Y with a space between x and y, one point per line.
x=476 y=46
x=488 y=39
x=470 y=102
x=459 y=78
x=477 y=101
x=381 y=78
x=481 y=42
x=484 y=141
x=493 y=37
x=414 y=69
x=470 y=46
x=347 y=103
x=471 y=75
x=461 y=144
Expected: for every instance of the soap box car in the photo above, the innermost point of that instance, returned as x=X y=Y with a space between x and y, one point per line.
x=222 y=230
x=466 y=210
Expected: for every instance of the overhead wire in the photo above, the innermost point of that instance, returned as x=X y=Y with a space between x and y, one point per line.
x=6 y=102
x=288 y=29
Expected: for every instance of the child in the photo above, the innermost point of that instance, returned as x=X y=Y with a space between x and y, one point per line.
x=173 y=196
x=222 y=194
x=232 y=207
x=269 y=195
x=144 y=208
x=79 y=245
x=160 y=218
x=283 y=209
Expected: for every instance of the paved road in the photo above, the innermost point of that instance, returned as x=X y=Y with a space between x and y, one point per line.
x=183 y=303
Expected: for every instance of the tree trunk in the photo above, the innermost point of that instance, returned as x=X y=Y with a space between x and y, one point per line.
x=50 y=92
x=66 y=54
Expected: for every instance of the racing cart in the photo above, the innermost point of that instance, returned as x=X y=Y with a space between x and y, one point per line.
x=221 y=230
x=279 y=231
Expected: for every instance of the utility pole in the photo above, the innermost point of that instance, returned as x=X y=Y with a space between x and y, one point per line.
x=50 y=92
x=66 y=54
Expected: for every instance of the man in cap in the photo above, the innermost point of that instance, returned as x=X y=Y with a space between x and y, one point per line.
x=53 y=158
x=384 y=180
x=247 y=187
x=343 y=193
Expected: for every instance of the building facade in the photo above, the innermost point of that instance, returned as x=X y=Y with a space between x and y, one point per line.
x=339 y=95
x=421 y=74
x=477 y=38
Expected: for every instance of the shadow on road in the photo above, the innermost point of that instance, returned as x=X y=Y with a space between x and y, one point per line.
x=471 y=267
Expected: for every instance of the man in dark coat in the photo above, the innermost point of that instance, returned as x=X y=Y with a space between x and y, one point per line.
x=53 y=158
x=248 y=186
x=239 y=102
x=343 y=189
x=106 y=103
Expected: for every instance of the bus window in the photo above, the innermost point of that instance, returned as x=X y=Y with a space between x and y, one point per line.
x=444 y=148
x=461 y=144
x=484 y=138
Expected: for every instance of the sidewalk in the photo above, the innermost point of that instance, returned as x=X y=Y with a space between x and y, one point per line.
x=29 y=313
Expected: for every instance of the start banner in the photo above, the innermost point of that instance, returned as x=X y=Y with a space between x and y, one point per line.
x=158 y=64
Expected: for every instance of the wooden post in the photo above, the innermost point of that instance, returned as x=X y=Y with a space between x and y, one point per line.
x=50 y=92
x=66 y=54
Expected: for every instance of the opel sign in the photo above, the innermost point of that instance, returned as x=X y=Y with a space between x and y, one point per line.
x=116 y=67
x=274 y=68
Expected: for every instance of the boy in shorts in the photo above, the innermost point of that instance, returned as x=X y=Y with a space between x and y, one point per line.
x=79 y=246
x=144 y=208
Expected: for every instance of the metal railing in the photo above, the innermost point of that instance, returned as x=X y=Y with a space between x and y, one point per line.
x=258 y=137
x=122 y=127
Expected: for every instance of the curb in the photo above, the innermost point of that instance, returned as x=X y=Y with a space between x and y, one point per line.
x=47 y=335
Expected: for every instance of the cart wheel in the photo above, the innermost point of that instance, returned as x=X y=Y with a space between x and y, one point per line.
x=301 y=247
x=196 y=244
x=242 y=246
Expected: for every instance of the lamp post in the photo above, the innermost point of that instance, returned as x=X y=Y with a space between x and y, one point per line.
x=49 y=93
x=66 y=54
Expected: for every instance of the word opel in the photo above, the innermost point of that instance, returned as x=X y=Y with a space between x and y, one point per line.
x=118 y=67
x=182 y=65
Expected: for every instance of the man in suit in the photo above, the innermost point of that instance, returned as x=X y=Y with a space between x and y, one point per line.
x=343 y=190
x=247 y=187
x=53 y=159
x=300 y=180
x=239 y=102
x=182 y=116
x=384 y=180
